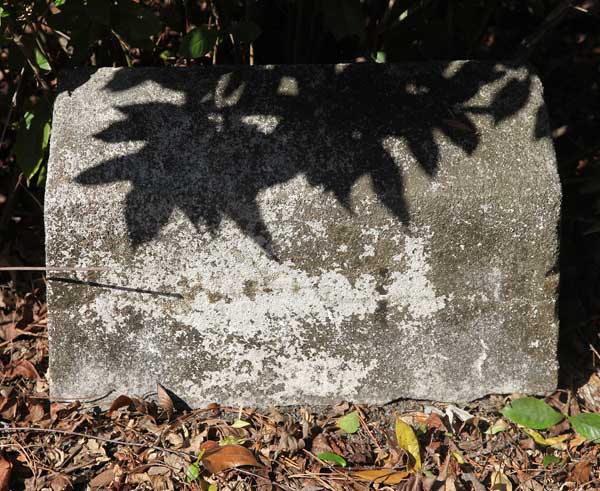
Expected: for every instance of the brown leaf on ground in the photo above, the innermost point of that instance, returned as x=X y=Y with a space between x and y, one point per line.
x=164 y=400
x=320 y=444
x=119 y=402
x=590 y=393
x=60 y=482
x=499 y=482
x=102 y=480
x=435 y=422
x=23 y=368
x=11 y=332
x=217 y=459
x=581 y=472
x=382 y=476
x=5 y=471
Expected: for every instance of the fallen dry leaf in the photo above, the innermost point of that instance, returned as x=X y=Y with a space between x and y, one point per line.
x=557 y=442
x=164 y=400
x=576 y=441
x=499 y=482
x=581 y=472
x=24 y=368
x=435 y=422
x=11 y=332
x=382 y=476
x=407 y=440
x=102 y=480
x=217 y=458
x=119 y=402
x=5 y=470
x=60 y=482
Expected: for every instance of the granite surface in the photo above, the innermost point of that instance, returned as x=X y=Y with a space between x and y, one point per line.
x=303 y=234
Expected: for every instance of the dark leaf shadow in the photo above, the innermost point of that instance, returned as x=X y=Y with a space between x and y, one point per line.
x=262 y=128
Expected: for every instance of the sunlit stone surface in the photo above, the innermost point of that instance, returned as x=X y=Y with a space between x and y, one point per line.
x=303 y=234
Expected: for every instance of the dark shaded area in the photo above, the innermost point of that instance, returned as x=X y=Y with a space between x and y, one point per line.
x=330 y=131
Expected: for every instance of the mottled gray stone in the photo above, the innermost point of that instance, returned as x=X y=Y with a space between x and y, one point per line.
x=303 y=234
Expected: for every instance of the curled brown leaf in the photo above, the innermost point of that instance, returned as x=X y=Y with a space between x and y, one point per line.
x=217 y=458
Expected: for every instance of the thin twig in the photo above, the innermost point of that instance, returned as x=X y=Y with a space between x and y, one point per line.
x=14 y=429
x=363 y=423
x=85 y=401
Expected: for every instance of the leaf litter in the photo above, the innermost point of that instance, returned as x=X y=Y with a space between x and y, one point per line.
x=145 y=444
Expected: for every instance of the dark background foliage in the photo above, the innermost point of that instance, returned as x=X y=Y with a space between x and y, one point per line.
x=39 y=38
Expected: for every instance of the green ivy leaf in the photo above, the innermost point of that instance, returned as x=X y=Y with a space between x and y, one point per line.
x=587 y=425
x=550 y=460
x=197 y=42
x=349 y=423
x=333 y=457
x=41 y=60
x=32 y=140
x=532 y=413
x=245 y=31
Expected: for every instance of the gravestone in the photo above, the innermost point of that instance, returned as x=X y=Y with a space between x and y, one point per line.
x=302 y=234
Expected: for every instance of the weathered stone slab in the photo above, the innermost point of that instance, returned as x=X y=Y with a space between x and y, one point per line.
x=303 y=234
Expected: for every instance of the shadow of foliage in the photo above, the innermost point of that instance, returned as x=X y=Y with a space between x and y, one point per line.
x=243 y=130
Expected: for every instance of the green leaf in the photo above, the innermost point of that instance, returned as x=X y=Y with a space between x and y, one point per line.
x=239 y=423
x=59 y=3
x=32 y=140
x=166 y=55
x=41 y=60
x=349 y=423
x=245 y=31
x=550 y=460
x=3 y=14
x=380 y=57
x=192 y=473
x=41 y=175
x=587 y=425
x=333 y=457
x=197 y=42
x=532 y=413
